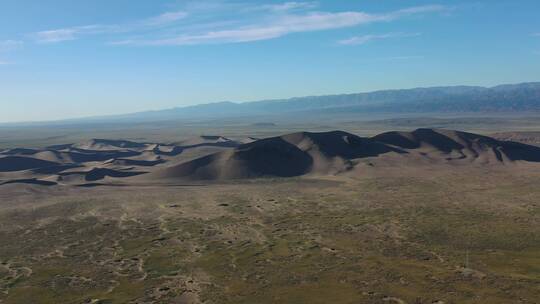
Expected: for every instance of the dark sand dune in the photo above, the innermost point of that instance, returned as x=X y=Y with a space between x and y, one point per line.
x=55 y=169
x=338 y=144
x=20 y=151
x=336 y=152
x=100 y=173
x=90 y=161
x=134 y=162
x=518 y=151
x=20 y=163
x=30 y=181
x=418 y=138
x=464 y=145
x=202 y=168
x=84 y=156
x=268 y=157
x=72 y=155
x=167 y=150
x=220 y=158
x=59 y=147
x=273 y=156
x=286 y=156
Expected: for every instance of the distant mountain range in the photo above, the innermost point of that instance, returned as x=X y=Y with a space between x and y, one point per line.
x=524 y=97
x=503 y=98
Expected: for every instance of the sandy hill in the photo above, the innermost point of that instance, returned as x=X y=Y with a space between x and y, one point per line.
x=338 y=152
x=220 y=158
x=101 y=159
x=459 y=146
x=19 y=163
x=284 y=156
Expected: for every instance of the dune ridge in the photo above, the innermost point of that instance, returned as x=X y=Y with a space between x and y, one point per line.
x=336 y=152
x=220 y=158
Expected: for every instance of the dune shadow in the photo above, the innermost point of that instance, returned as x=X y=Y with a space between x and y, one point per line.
x=30 y=181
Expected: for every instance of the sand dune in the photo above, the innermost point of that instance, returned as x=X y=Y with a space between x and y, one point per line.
x=220 y=158
x=455 y=145
x=19 y=163
x=272 y=157
x=336 y=152
x=285 y=156
x=169 y=150
x=338 y=144
x=55 y=169
x=74 y=163
x=95 y=174
x=20 y=151
x=31 y=181
x=134 y=162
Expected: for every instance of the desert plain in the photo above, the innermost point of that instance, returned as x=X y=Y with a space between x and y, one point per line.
x=423 y=216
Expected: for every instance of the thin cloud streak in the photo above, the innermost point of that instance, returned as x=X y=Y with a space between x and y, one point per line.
x=167 y=18
x=284 y=25
x=73 y=33
x=272 y=21
x=290 y=6
x=360 y=40
x=56 y=35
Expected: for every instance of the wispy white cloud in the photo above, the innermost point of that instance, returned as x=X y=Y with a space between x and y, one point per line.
x=231 y=22
x=72 y=33
x=282 y=25
x=290 y=6
x=359 y=40
x=278 y=28
x=56 y=35
x=417 y=10
x=167 y=18
x=535 y=34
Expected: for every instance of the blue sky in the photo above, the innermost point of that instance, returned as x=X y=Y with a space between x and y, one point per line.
x=64 y=58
